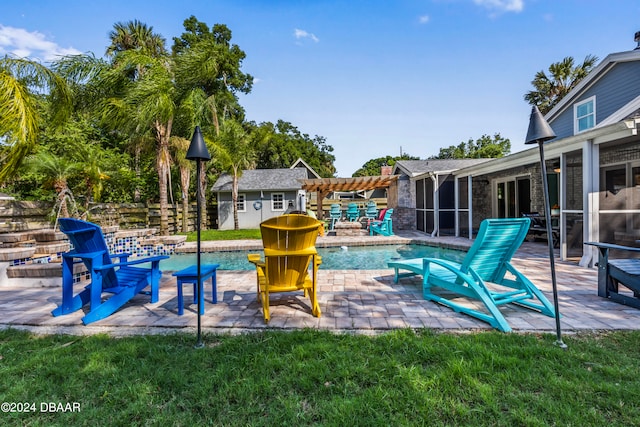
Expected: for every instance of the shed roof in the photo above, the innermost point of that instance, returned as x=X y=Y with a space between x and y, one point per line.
x=263 y=179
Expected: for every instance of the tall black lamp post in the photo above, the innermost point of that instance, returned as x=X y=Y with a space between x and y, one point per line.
x=198 y=152
x=539 y=131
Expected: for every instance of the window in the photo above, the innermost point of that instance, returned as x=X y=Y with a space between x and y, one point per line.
x=277 y=201
x=585 y=115
x=242 y=206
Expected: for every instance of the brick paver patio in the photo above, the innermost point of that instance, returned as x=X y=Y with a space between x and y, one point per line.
x=352 y=301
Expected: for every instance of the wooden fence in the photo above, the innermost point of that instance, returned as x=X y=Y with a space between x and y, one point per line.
x=23 y=215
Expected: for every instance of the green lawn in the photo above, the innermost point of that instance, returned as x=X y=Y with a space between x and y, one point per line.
x=319 y=378
x=225 y=235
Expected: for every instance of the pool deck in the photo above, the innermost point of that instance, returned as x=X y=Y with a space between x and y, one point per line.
x=352 y=301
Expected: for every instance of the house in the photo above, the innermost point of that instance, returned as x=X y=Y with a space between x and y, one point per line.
x=426 y=194
x=593 y=169
x=262 y=194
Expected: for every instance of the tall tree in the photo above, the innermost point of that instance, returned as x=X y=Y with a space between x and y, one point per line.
x=279 y=145
x=209 y=76
x=373 y=166
x=212 y=63
x=563 y=76
x=133 y=94
x=138 y=36
x=135 y=35
x=147 y=105
x=485 y=147
x=233 y=153
x=22 y=83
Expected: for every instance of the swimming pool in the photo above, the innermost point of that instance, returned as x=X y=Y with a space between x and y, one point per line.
x=335 y=258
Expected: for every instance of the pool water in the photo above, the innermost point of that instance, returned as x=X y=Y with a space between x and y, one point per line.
x=336 y=258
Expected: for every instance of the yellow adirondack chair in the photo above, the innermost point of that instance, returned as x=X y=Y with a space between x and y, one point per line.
x=289 y=252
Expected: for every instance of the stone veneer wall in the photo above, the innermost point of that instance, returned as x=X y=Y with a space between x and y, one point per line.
x=404 y=218
x=404 y=214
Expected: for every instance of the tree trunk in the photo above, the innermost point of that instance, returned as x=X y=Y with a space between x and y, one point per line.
x=163 y=132
x=203 y=198
x=136 y=191
x=234 y=197
x=185 y=177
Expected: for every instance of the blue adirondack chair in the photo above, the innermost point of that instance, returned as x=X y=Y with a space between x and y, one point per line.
x=384 y=226
x=335 y=215
x=353 y=213
x=123 y=279
x=487 y=261
x=371 y=213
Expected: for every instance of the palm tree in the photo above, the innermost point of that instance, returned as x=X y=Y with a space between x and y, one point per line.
x=135 y=35
x=138 y=36
x=56 y=172
x=143 y=108
x=235 y=153
x=21 y=81
x=563 y=76
x=134 y=94
x=92 y=171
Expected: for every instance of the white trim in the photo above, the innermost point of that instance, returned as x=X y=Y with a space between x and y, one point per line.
x=576 y=119
x=273 y=208
x=242 y=196
x=470 y=205
x=590 y=202
x=309 y=168
x=554 y=148
x=600 y=70
x=623 y=112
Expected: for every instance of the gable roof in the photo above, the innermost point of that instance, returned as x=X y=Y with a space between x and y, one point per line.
x=414 y=168
x=596 y=74
x=311 y=173
x=263 y=179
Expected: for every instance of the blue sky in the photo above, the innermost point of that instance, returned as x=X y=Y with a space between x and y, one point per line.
x=376 y=77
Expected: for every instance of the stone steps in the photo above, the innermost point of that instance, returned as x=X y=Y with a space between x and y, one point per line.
x=34 y=257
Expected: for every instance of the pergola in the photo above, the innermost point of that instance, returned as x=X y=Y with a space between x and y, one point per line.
x=324 y=186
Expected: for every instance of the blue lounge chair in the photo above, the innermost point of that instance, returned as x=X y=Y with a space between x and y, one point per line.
x=487 y=261
x=121 y=279
x=384 y=226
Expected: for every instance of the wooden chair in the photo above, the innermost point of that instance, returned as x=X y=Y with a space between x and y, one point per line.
x=487 y=262
x=289 y=253
x=123 y=279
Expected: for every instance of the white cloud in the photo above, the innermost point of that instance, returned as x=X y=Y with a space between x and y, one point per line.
x=424 y=19
x=34 y=45
x=502 y=5
x=302 y=34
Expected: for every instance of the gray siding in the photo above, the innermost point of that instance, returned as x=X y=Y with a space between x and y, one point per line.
x=614 y=90
x=252 y=217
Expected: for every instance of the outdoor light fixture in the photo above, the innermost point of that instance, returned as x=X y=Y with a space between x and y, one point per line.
x=539 y=131
x=198 y=152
